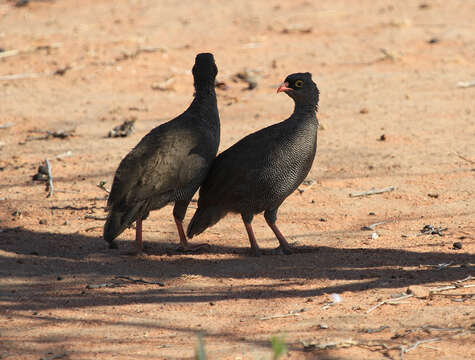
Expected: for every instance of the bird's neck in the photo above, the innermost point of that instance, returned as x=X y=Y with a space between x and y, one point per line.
x=305 y=111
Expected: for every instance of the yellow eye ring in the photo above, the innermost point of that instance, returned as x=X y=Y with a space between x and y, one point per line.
x=299 y=83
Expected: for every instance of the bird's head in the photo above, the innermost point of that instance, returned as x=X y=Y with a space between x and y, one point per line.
x=205 y=69
x=301 y=88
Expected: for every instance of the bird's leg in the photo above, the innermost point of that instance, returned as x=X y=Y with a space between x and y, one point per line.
x=271 y=218
x=178 y=214
x=138 y=236
x=247 y=219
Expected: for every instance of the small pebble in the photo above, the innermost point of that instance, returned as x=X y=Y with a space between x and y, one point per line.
x=323 y=219
x=382 y=138
x=43 y=221
x=364 y=111
x=433 y=40
x=212 y=303
x=374 y=236
x=457 y=245
x=59 y=278
x=371 y=213
x=435 y=196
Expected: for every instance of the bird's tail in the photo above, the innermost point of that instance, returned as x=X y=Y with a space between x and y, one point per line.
x=203 y=219
x=118 y=220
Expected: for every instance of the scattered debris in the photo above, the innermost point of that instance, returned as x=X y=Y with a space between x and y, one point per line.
x=377 y=330
x=221 y=85
x=431 y=230
x=166 y=85
x=102 y=185
x=336 y=299
x=465 y=158
x=93 y=217
x=7 y=125
x=465 y=84
x=60 y=134
x=290 y=313
x=133 y=54
x=49 y=187
x=372 y=226
x=248 y=76
x=297 y=28
x=392 y=301
x=124 y=129
x=63 y=155
x=62 y=70
x=140 y=281
x=372 y=192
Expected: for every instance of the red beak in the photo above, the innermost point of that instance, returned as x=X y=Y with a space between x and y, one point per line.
x=284 y=87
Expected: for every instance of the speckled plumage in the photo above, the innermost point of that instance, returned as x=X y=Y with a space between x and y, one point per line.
x=170 y=162
x=261 y=170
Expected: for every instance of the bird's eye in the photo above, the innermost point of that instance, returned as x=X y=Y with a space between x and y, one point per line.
x=299 y=83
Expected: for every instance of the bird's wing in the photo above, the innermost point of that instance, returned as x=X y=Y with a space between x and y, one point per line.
x=160 y=163
x=240 y=165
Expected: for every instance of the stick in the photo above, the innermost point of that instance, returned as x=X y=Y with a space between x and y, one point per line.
x=7 y=125
x=277 y=316
x=372 y=226
x=389 y=301
x=416 y=344
x=93 y=217
x=14 y=52
x=141 y=281
x=20 y=76
x=372 y=191
x=465 y=84
x=464 y=158
x=450 y=287
x=50 y=179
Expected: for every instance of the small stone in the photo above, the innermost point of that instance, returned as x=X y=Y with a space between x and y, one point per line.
x=323 y=326
x=43 y=221
x=371 y=213
x=323 y=219
x=374 y=236
x=382 y=138
x=59 y=278
x=364 y=111
x=457 y=245
x=435 y=196
x=66 y=223
x=212 y=303
x=433 y=40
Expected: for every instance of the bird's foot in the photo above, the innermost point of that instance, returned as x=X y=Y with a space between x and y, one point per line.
x=183 y=248
x=255 y=251
x=283 y=250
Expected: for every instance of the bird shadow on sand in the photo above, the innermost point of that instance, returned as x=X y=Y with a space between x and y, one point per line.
x=73 y=261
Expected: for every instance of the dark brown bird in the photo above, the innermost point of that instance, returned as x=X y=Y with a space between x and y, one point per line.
x=169 y=163
x=261 y=170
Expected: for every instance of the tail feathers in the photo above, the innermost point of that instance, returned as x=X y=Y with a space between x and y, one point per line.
x=203 y=219
x=117 y=221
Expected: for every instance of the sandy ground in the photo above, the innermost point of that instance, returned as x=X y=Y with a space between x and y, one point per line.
x=383 y=68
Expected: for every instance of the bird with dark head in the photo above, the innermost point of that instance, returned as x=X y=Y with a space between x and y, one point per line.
x=169 y=164
x=261 y=170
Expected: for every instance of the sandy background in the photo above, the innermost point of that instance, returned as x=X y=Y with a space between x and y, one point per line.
x=383 y=68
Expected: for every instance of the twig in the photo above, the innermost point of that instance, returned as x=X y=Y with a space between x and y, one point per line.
x=50 y=179
x=465 y=84
x=15 y=52
x=93 y=217
x=416 y=344
x=140 y=281
x=389 y=301
x=464 y=158
x=93 y=228
x=69 y=207
x=449 y=287
x=372 y=226
x=7 y=125
x=291 y=313
x=98 y=286
x=372 y=191
x=20 y=76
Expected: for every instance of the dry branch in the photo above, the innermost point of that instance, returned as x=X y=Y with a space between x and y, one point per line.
x=389 y=301
x=372 y=191
x=50 y=179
